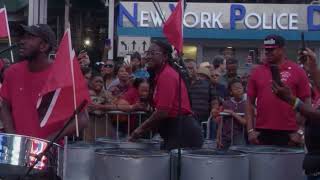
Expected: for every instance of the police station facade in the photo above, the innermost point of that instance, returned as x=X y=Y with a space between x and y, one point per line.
x=209 y=28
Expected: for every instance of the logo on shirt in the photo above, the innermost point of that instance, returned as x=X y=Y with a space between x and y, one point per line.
x=285 y=75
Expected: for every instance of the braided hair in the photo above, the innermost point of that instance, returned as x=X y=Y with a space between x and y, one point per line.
x=176 y=64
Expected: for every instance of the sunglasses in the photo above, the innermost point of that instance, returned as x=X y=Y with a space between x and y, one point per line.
x=108 y=65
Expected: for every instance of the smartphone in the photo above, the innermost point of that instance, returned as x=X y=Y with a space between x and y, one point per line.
x=275 y=74
x=302 y=58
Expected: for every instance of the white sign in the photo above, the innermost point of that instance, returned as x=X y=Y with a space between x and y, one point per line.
x=129 y=44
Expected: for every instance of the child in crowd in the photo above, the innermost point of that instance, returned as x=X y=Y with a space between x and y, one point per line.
x=97 y=118
x=216 y=108
x=231 y=130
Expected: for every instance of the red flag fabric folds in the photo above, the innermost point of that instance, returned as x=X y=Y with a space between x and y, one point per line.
x=4 y=29
x=64 y=73
x=172 y=28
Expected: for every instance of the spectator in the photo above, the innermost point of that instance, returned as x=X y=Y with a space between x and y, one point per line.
x=236 y=104
x=84 y=61
x=276 y=122
x=201 y=94
x=192 y=69
x=108 y=74
x=97 y=117
x=137 y=68
x=232 y=72
x=220 y=89
x=219 y=64
x=135 y=99
x=123 y=74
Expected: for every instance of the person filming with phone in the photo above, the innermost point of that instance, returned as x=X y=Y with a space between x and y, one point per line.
x=276 y=122
x=311 y=163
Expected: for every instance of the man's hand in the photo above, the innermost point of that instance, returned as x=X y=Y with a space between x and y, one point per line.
x=295 y=139
x=137 y=133
x=283 y=92
x=253 y=137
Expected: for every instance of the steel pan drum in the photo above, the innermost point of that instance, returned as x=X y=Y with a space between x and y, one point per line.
x=80 y=160
x=124 y=143
x=207 y=164
x=132 y=164
x=272 y=162
x=18 y=152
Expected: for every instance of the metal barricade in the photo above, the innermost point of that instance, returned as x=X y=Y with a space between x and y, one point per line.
x=139 y=114
x=223 y=114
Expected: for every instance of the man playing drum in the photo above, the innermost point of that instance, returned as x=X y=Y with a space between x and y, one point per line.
x=23 y=83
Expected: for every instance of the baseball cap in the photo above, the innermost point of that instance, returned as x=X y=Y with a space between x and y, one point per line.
x=273 y=41
x=43 y=31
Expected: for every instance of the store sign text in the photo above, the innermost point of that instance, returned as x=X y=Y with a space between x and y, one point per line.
x=238 y=14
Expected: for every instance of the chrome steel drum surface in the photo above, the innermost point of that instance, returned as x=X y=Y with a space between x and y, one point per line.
x=80 y=160
x=124 y=143
x=272 y=162
x=207 y=164
x=209 y=144
x=17 y=153
x=132 y=164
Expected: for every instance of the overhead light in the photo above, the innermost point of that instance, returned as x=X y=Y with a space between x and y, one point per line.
x=87 y=42
x=229 y=47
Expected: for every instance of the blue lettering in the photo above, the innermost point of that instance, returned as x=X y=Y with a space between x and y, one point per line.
x=124 y=12
x=311 y=25
x=172 y=7
x=234 y=17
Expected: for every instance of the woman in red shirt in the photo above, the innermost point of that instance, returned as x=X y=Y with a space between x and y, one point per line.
x=184 y=134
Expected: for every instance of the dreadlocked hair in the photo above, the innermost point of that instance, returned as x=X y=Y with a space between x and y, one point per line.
x=177 y=64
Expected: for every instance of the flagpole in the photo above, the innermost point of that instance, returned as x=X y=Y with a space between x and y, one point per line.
x=72 y=54
x=9 y=36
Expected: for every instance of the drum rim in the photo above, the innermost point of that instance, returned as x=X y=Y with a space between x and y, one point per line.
x=102 y=152
x=287 y=151
x=30 y=137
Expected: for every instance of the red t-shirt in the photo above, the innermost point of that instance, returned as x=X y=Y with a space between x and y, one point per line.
x=273 y=113
x=131 y=95
x=21 y=90
x=165 y=96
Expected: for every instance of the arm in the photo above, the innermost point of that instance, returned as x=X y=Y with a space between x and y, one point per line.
x=249 y=112
x=240 y=119
x=5 y=115
x=312 y=64
x=152 y=122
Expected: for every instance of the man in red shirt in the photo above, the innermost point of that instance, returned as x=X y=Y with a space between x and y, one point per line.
x=166 y=103
x=276 y=122
x=23 y=83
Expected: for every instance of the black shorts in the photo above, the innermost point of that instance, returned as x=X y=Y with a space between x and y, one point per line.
x=190 y=137
x=274 y=137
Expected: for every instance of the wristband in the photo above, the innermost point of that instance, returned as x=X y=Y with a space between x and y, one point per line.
x=297 y=104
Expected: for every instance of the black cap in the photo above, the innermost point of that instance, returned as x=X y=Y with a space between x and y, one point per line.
x=43 y=31
x=217 y=60
x=273 y=41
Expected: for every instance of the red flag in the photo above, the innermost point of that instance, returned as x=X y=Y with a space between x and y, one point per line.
x=64 y=73
x=4 y=29
x=172 y=28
